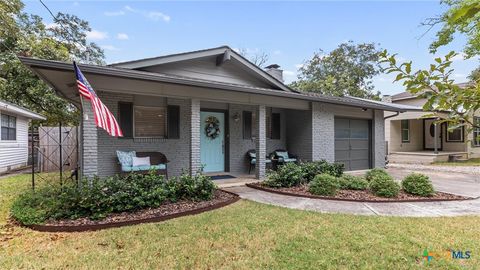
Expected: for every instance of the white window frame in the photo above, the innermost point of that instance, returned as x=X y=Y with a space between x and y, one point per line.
x=16 y=127
x=149 y=137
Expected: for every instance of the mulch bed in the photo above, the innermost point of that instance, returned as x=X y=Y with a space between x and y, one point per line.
x=164 y=212
x=358 y=195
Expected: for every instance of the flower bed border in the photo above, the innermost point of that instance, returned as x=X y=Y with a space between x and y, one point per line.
x=257 y=185
x=96 y=227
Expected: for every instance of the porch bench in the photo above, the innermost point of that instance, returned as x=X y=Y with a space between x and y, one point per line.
x=158 y=163
x=281 y=157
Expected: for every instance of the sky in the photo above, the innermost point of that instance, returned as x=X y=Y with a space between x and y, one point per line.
x=289 y=32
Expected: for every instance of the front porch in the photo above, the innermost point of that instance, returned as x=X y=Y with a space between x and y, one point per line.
x=412 y=139
x=424 y=157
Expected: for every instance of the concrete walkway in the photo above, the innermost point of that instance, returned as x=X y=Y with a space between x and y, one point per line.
x=407 y=209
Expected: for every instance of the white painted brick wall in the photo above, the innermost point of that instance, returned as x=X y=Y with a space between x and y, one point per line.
x=378 y=139
x=261 y=143
x=176 y=150
x=195 y=162
x=89 y=142
x=323 y=133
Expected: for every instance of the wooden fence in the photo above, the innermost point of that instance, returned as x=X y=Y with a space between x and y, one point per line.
x=55 y=151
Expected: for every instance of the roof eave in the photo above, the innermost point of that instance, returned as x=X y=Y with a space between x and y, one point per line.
x=134 y=74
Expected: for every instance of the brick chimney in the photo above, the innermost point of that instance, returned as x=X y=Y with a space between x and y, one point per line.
x=275 y=71
x=387 y=98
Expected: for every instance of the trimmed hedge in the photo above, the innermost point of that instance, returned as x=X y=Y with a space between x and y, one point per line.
x=352 y=182
x=98 y=198
x=324 y=184
x=418 y=184
x=384 y=186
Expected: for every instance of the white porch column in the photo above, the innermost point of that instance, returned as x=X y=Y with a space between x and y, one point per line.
x=195 y=163
x=323 y=133
x=260 y=142
x=378 y=140
x=89 y=142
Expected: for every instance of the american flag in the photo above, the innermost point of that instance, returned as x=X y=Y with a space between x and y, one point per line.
x=103 y=117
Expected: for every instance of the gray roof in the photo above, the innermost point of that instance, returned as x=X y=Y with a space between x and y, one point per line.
x=402 y=95
x=19 y=110
x=152 y=61
x=400 y=107
x=33 y=63
x=408 y=95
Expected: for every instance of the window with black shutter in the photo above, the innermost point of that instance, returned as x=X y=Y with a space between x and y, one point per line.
x=247 y=125
x=125 y=118
x=173 y=122
x=275 y=126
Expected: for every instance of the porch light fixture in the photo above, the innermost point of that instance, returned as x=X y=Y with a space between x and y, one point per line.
x=364 y=109
x=236 y=117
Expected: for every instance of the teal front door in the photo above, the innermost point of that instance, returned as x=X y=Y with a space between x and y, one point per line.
x=212 y=141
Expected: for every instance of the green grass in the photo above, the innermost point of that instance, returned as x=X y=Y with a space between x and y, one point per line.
x=245 y=235
x=470 y=162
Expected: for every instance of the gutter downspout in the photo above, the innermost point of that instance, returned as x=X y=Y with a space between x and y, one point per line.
x=386 y=144
x=393 y=115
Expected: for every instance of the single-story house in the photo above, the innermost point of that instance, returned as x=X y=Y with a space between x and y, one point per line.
x=14 y=135
x=165 y=103
x=412 y=138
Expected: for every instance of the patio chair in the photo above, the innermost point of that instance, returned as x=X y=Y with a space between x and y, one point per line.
x=252 y=157
x=281 y=157
x=157 y=162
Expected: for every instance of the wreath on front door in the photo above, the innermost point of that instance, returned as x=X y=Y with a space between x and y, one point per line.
x=212 y=127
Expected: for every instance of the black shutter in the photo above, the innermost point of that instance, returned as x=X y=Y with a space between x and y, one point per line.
x=247 y=125
x=173 y=122
x=125 y=118
x=275 y=122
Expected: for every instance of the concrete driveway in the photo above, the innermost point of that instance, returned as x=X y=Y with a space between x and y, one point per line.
x=451 y=182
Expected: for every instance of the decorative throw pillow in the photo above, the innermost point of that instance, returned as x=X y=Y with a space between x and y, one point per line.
x=125 y=157
x=141 y=161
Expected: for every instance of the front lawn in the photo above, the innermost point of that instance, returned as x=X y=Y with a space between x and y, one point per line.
x=470 y=162
x=245 y=235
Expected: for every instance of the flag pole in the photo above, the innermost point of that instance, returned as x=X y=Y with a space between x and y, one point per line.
x=82 y=143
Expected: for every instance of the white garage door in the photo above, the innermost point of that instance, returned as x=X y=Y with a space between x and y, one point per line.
x=352 y=143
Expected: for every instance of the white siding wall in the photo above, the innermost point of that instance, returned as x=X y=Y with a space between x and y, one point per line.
x=14 y=154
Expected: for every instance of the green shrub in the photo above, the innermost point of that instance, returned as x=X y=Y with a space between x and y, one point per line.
x=374 y=173
x=97 y=198
x=287 y=175
x=384 y=186
x=311 y=169
x=418 y=184
x=352 y=182
x=324 y=184
x=198 y=187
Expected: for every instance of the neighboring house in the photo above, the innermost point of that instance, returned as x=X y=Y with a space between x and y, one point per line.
x=412 y=138
x=14 y=135
x=163 y=104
